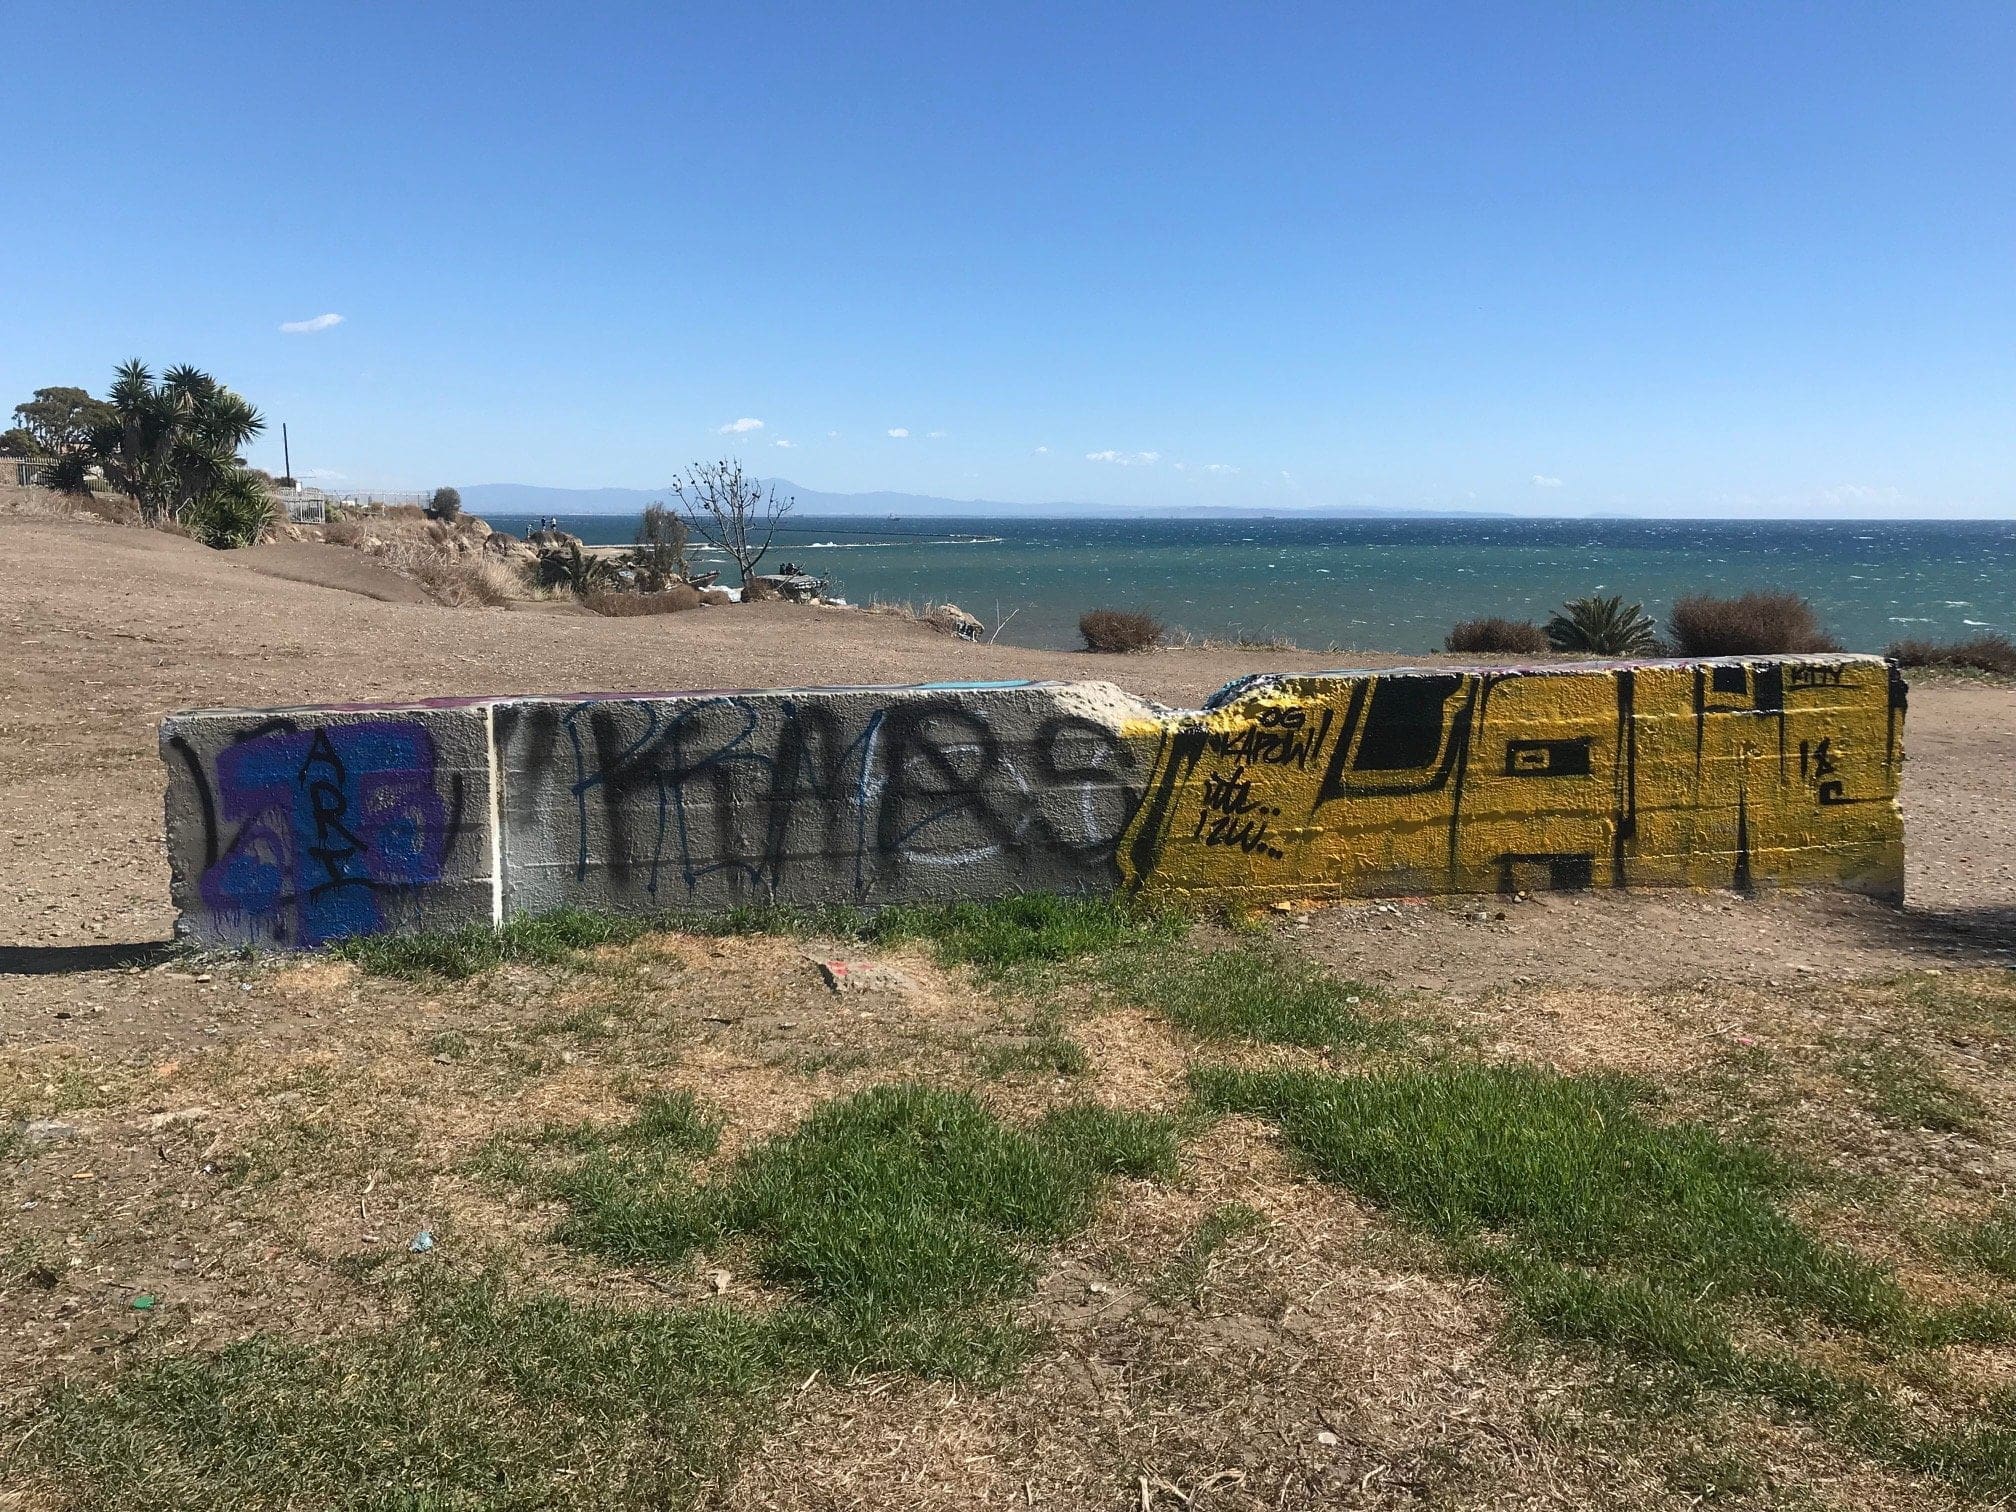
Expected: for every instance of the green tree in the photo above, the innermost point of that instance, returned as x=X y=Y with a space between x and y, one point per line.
x=445 y=505
x=60 y=420
x=19 y=442
x=660 y=553
x=171 y=443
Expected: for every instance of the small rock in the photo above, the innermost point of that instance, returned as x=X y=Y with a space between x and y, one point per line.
x=720 y=1280
x=863 y=976
x=48 y=1131
x=422 y=1242
x=1327 y=1439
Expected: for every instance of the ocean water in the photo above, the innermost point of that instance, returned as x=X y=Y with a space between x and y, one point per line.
x=1393 y=585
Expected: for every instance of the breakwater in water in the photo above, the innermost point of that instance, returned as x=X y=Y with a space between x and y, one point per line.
x=295 y=827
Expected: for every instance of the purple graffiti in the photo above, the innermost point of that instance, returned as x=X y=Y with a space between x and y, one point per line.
x=330 y=822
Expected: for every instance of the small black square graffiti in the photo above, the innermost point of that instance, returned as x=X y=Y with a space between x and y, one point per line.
x=1547 y=758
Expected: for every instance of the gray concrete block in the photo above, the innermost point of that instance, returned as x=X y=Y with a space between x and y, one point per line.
x=294 y=827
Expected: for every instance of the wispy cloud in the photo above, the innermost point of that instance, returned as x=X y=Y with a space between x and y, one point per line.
x=1219 y=467
x=1042 y=451
x=322 y=474
x=787 y=445
x=740 y=427
x=310 y=327
x=939 y=435
x=901 y=433
x=1541 y=480
x=1125 y=459
x=832 y=435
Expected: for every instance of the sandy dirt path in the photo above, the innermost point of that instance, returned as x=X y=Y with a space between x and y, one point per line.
x=106 y=629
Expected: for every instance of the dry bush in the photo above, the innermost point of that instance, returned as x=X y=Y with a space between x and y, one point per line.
x=463 y=582
x=755 y=591
x=344 y=532
x=1982 y=653
x=1758 y=623
x=1493 y=636
x=411 y=512
x=674 y=600
x=716 y=596
x=1119 y=630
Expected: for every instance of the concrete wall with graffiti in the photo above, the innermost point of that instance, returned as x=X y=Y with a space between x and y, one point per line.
x=295 y=827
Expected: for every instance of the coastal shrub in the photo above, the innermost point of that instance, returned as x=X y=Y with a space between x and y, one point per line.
x=755 y=590
x=716 y=596
x=1603 y=627
x=445 y=505
x=674 y=600
x=1759 y=623
x=235 y=512
x=344 y=532
x=1982 y=653
x=1497 y=637
x=1119 y=630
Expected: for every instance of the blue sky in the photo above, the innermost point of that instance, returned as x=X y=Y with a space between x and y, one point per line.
x=1660 y=259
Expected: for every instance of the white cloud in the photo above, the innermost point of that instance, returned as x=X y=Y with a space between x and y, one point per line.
x=310 y=327
x=1219 y=467
x=740 y=427
x=832 y=435
x=1540 y=480
x=901 y=433
x=1125 y=459
x=939 y=435
x=1181 y=466
x=1042 y=451
x=787 y=445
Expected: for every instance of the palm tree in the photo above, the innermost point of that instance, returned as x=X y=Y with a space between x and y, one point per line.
x=172 y=444
x=1606 y=626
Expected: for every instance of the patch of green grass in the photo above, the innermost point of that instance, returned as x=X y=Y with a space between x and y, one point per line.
x=544 y=939
x=901 y=1216
x=1714 y=1477
x=1649 y=1225
x=1261 y=994
x=1044 y=1049
x=1649 y=1239
x=478 y=1400
x=1029 y=930
x=1907 y=1091
x=1989 y=1244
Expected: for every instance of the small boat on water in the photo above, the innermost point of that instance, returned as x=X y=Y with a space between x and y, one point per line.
x=704 y=580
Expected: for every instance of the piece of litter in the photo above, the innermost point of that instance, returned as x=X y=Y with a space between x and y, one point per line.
x=422 y=1242
x=1327 y=1439
x=144 y=1302
x=720 y=1278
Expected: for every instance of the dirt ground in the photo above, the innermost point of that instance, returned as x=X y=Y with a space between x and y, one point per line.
x=107 y=629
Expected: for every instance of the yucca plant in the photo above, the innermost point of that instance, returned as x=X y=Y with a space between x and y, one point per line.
x=169 y=443
x=233 y=512
x=1605 y=626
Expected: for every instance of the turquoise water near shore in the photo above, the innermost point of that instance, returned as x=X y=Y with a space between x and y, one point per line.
x=1393 y=585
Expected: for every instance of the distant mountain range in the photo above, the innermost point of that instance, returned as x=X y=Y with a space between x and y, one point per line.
x=532 y=499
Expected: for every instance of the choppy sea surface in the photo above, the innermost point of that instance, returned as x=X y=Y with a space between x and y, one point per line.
x=1392 y=585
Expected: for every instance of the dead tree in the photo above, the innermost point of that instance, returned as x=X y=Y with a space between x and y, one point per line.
x=727 y=508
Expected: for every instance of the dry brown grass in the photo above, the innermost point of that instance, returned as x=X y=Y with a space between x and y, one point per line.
x=476 y=580
x=674 y=600
x=269 y=1177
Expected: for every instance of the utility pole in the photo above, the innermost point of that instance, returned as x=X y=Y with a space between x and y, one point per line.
x=286 y=451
